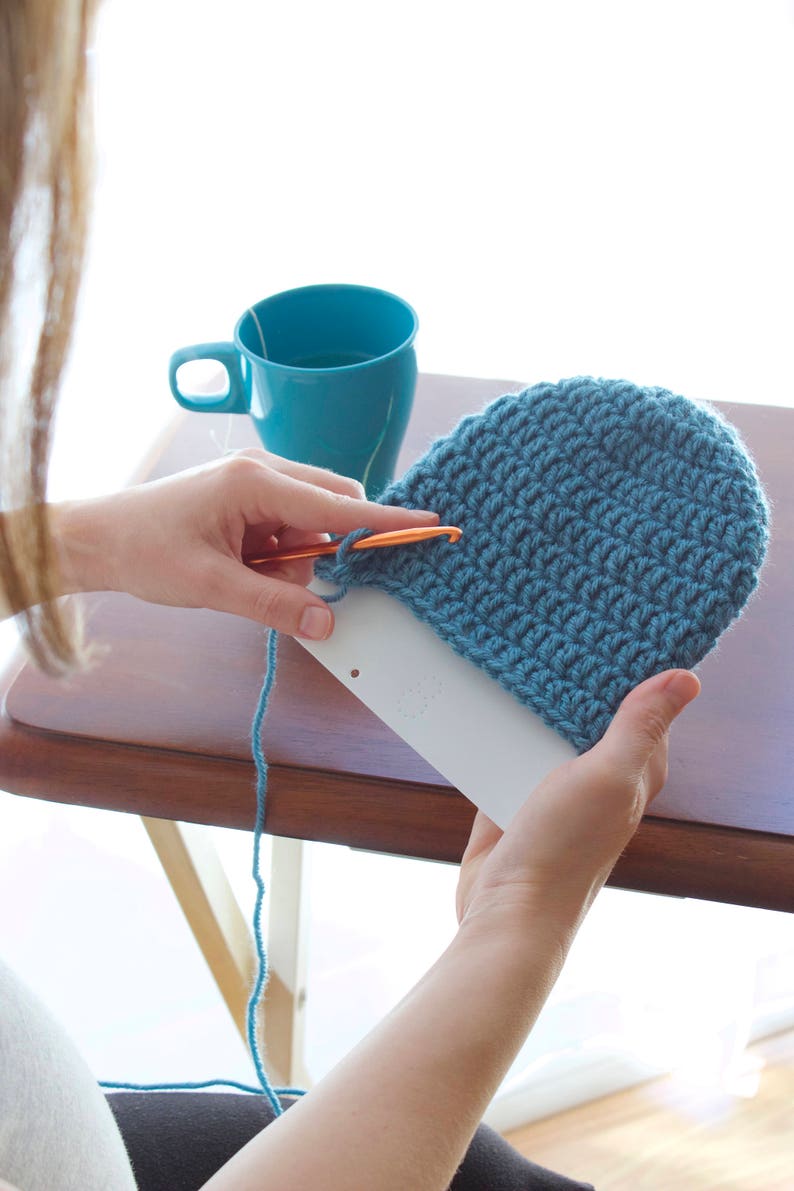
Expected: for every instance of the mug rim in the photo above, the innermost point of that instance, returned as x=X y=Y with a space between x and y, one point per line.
x=327 y=287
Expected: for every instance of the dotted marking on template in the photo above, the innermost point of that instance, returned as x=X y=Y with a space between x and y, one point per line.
x=415 y=701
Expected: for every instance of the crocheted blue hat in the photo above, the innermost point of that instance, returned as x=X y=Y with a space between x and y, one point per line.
x=609 y=532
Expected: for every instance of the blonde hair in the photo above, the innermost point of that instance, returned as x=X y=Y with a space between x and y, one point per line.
x=45 y=173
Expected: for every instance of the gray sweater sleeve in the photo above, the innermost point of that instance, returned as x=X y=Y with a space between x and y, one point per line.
x=56 y=1130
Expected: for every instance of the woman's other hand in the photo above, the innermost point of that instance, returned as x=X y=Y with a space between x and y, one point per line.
x=543 y=873
x=181 y=540
x=442 y=1052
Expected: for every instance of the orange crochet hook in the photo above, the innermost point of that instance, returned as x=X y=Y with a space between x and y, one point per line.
x=396 y=537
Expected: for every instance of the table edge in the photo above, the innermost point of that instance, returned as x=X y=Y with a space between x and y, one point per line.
x=666 y=856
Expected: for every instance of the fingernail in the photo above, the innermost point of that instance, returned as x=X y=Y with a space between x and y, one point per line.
x=681 y=687
x=315 y=623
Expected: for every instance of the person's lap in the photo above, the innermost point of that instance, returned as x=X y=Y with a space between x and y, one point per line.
x=177 y=1140
x=56 y=1130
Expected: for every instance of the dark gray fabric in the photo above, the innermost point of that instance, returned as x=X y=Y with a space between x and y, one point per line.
x=177 y=1140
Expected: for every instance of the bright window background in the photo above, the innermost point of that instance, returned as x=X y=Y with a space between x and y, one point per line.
x=557 y=188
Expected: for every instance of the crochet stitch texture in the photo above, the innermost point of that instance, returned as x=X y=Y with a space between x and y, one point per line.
x=609 y=532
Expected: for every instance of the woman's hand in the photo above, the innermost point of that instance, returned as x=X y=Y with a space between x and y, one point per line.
x=181 y=540
x=543 y=873
x=442 y=1052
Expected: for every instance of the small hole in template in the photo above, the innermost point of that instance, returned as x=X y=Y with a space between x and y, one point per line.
x=354 y=673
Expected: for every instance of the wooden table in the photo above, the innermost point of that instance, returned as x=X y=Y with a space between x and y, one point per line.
x=160 y=725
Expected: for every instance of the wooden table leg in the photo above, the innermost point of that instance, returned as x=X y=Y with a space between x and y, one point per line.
x=285 y=1003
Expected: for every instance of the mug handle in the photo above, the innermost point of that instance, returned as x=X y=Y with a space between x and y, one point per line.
x=226 y=354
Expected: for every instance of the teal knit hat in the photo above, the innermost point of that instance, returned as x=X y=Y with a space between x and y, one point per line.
x=609 y=532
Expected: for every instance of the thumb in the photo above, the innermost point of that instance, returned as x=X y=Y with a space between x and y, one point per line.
x=641 y=723
x=286 y=607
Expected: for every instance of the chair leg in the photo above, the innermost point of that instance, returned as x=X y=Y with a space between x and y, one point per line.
x=202 y=889
x=288 y=930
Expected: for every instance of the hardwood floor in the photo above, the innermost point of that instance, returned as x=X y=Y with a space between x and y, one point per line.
x=672 y=1135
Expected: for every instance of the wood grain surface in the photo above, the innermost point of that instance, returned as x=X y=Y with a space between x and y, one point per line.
x=681 y=1132
x=160 y=725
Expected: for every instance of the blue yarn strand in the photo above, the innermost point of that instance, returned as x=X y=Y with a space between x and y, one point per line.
x=259 y=823
x=180 y=1087
x=265 y=1087
x=341 y=560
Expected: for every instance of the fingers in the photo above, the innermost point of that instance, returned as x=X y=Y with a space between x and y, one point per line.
x=319 y=476
x=308 y=507
x=265 y=495
x=257 y=542
x=593 y=803
x=277 y=501
x=285 y=606
x=564 y=840
x=295 y=570
x=484 y=834
x=637 y=737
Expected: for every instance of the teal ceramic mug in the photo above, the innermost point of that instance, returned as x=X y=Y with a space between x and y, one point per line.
x=327 y=374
